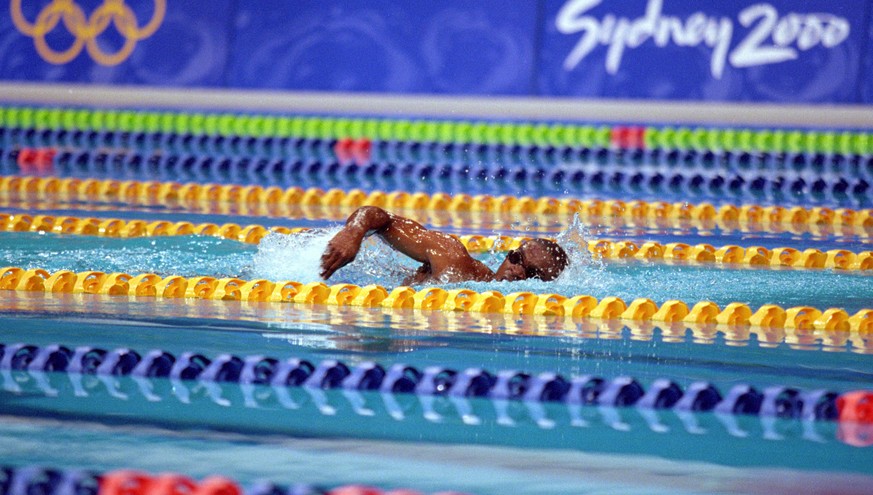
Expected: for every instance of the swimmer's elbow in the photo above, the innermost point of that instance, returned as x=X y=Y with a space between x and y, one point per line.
x=369 y=211
x=369 y=219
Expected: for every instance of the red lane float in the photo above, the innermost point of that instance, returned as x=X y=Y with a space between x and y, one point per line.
x=36 y=160
x=855 y=416
x=132 y=482
x=856 y=406
x=628 y=137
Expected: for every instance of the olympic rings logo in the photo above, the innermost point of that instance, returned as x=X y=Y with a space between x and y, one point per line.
x=86 y=30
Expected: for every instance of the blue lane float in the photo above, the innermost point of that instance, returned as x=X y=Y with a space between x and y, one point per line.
x=835 y=177
x=340 y=410
x=578 y=177
x=486 y=179
x=781 y=402
x=38 y=480
x=469 y=154
x=31 y=480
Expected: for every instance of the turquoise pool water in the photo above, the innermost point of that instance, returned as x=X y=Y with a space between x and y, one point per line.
x=296 y=257
x=431 y=444
x=476 y=445
x=427 y=443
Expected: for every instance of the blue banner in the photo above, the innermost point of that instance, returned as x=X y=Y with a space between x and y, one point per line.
x=148 y=42
x=775 y=51
x=866 y=77
x=422 y=46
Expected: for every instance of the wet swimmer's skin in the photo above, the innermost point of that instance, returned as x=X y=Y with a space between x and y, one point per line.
x=443 y=258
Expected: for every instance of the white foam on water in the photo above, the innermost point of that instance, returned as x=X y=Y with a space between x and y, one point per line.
x=574 y=240
x=583 y=274
x=291 y=257
x=297 y=257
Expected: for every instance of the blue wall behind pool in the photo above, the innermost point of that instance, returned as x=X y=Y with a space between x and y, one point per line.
x=779 y=51
x=190 y=46
x=423 y=46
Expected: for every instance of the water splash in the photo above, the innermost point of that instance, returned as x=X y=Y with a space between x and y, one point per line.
x=583 y=274
x=291 y=257
x=187 y=256
x=574 y=240
x=298 y=257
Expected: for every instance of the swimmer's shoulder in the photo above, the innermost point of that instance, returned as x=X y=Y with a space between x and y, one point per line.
x=466 y=269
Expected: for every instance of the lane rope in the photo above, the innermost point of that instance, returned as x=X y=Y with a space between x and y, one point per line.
x=80 y=149
x=605 y=172
x=435 y=380
x=792 y=403
x=433 y=298
x=51 y=481
x=673 y=252
x=443 y=131
x=677 y=332
x=706 y=215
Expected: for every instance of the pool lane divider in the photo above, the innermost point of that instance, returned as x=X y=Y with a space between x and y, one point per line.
x=347 y=162
x=82 y=152
x=663 y=393
x=763 y=218
x=781 y=257
x=678 y=332
x=434 y=299
x=114 y=227
x=445 y=218
x=688 y=175
x=343 y=406
x=50 y=481
x=363 y=150
x=556 y=134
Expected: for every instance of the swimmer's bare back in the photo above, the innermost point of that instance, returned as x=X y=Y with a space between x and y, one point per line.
x=443 y=258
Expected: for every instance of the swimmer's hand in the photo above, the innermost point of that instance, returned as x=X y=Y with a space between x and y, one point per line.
x=341 y=250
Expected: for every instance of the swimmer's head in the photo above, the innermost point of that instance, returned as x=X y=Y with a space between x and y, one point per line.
x=535 y=258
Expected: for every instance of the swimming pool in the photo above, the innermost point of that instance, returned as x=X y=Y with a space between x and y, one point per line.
x=727 y=275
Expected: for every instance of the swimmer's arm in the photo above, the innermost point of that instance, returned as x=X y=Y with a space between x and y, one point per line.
x=423 y=274
x=342 y=249
x=404 y=235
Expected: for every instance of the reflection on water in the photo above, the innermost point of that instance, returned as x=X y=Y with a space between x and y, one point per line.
x=480 y=469
x=143 y=399
x=467 y=222
x=297 y=257
x=303 y=320
x=187 y=256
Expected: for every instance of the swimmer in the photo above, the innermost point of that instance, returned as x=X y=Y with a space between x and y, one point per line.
x=444 y=258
